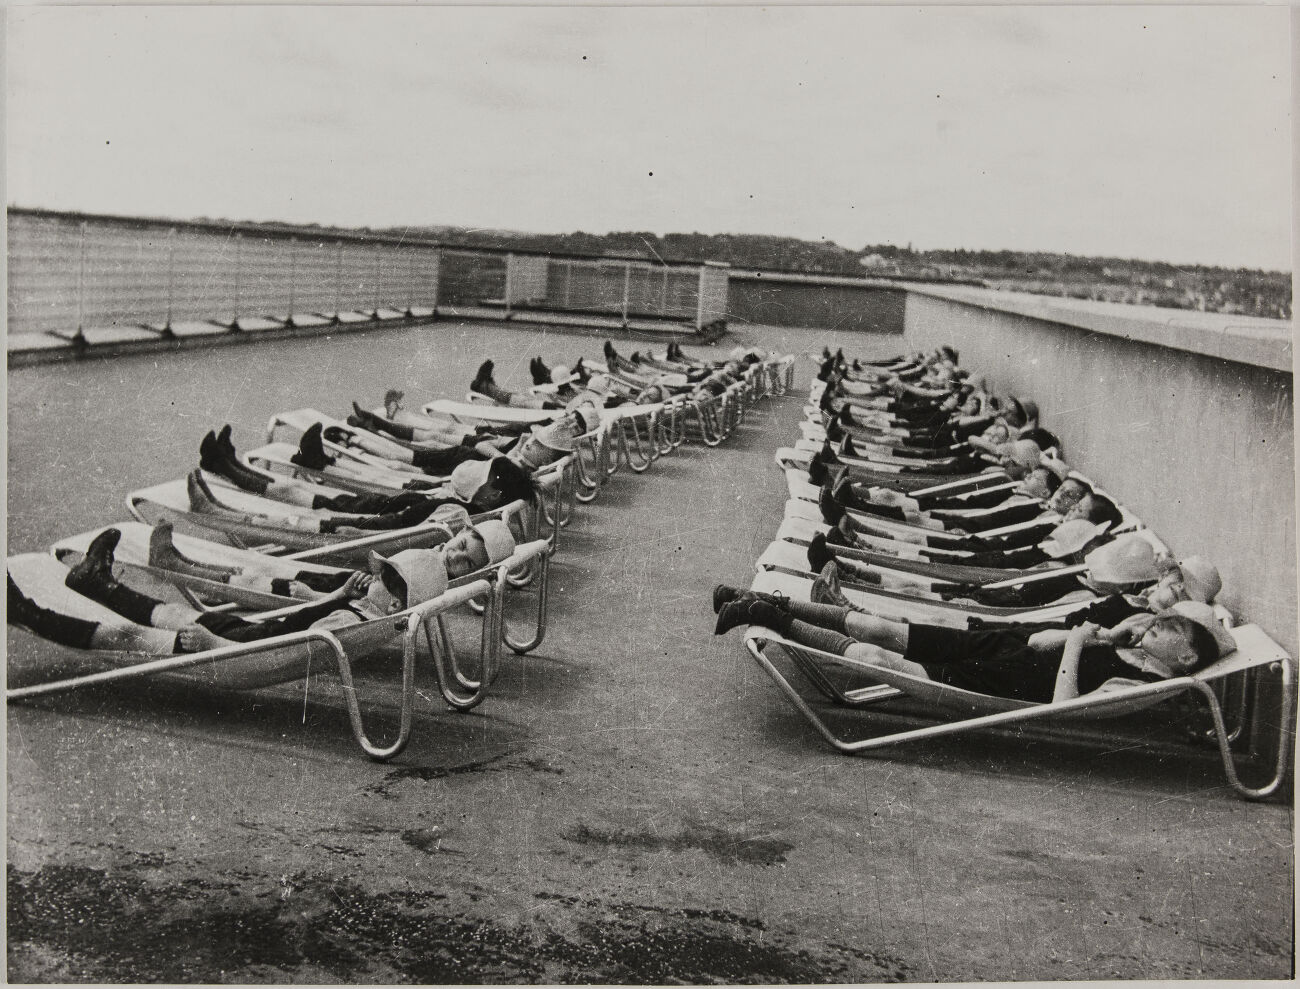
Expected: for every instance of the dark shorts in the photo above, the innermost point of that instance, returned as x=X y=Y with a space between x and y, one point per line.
x=229 y=626
x=63 y=629
x=997 y=662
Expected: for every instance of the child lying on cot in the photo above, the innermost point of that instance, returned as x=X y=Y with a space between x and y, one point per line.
x=217 y=455
x=715 y=378
x=1021 y=664
x=559 y=382
x=531 y=449
x=903 y=364
x=484 y=383
x=924 y=398
x=1019 y=549
x=306 y=585
x=394 y=584
x=271 y=575
x=1040 y=496
x=597 y=391
x=1015 y=460
x=560 y=394
x=480 y=485
x=881 y=500
x=951 y=424
x=482 y=489
x=974 y=454
x=1073 y=543
x=1126 y=567
x=952 y=436
x=543 y=444
x=675 y=361
x=715 y=383
x=743 y=356
x=1118 y=570
x=426 y=430
x=930 y=397
x=826 y=461
x=429 y=432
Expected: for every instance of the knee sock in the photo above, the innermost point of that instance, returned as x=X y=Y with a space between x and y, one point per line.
x=244 y=476
x=494 y=391
x=378 y=424
x=859 y=572
x=828 y=616
x=825 y=639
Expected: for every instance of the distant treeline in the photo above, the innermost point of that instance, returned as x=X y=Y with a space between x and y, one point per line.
x=1155 y=283
x=737 y=250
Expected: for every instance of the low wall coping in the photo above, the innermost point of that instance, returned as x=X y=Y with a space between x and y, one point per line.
x=847 y=281
x=1228 y=336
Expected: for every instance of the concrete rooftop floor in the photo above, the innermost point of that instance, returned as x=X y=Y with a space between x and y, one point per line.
x=634 y=802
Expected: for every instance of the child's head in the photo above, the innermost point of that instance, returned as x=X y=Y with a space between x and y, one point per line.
x=1039 y=483
x=1019 y=457
x=1178 y=643
x=489 y=484
x=1073 y=539
x=507 y=482
x=1069 y=494
x=1098 y=509
x=476 y=547
x=1045 y=438
x=1015 y=414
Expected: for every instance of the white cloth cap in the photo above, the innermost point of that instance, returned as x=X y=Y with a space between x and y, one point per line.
x=1070 y=537
x=497 y=539
x=468 y=477
x=423 y=570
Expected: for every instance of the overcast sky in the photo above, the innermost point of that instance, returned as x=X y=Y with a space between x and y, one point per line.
x=1159 y=133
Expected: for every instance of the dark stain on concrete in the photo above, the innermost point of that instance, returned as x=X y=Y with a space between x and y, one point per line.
x=429 y=841
x=725 y=846
x=74 y=924
x=427 y=774
x=1027 y=855
x=629 y=910
x=538 y=766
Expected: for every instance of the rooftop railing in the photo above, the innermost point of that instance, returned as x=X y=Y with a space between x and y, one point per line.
x=70 y=273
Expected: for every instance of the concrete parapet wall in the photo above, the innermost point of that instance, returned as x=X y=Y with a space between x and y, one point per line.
x=1200 y=445
x=836 y=306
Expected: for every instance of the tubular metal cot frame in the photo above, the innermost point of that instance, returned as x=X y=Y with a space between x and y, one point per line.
x=426 y=616
x=894 y=684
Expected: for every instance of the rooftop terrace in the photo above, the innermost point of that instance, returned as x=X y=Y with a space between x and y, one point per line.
x=634 y=802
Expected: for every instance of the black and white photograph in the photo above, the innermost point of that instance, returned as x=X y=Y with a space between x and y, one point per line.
x=650 y=495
